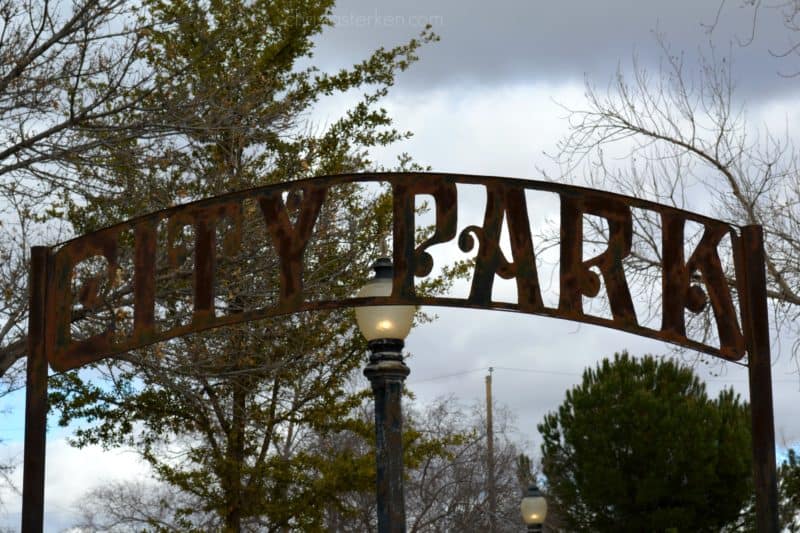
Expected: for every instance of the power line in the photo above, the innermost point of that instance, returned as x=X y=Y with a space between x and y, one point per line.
x=485 y=368
x=563 y=373
x=535 y=371
x=445 y=376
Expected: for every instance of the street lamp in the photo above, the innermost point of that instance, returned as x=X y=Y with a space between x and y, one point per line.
x=385 y=327
x=534 y=509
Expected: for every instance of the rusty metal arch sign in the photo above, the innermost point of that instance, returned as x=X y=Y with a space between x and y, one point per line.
x=190 y=243
x=505 y=200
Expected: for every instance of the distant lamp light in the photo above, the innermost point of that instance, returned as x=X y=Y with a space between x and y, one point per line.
x=533 y=508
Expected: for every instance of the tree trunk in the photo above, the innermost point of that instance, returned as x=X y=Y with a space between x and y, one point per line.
x=235 y=459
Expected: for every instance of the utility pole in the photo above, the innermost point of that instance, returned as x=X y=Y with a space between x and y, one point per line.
x=490 y=455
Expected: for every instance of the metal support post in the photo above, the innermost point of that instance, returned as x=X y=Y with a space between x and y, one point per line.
x=756 y=328
x=35 y=397
x=387 y=372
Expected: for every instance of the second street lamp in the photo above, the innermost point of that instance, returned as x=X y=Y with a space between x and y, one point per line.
x=533 y=509
x=385 y=327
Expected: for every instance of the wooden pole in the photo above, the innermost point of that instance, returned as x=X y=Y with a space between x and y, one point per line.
x=490 y=456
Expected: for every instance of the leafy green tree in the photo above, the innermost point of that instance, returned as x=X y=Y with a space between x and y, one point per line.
x=639 y=446
x=233 y=419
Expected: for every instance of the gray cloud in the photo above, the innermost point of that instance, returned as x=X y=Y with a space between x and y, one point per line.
x=511 y=41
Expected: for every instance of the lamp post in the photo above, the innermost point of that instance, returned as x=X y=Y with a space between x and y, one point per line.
x=534 y=509
x=385 y=327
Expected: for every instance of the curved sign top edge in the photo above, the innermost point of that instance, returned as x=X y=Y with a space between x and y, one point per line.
x=289 y=233
x=391 y=177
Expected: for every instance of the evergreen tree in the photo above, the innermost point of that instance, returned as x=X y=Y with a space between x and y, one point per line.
x=789 y=492
x=639 y=446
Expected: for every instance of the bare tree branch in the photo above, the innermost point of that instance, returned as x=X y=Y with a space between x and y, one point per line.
x=689 y=145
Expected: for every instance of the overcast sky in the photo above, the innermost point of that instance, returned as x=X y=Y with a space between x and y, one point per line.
x=483 y=101
x=486 y=45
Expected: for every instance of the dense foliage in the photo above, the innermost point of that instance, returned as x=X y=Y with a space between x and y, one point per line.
x=236 y=421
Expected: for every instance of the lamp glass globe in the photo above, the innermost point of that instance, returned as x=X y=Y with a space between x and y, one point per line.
x=383 y=321
x=533 y=509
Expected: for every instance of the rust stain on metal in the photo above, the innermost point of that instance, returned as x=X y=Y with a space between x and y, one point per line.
x=290 y=211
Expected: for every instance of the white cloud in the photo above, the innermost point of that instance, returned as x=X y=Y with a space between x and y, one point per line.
x=70 y=472
x=500 y=130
